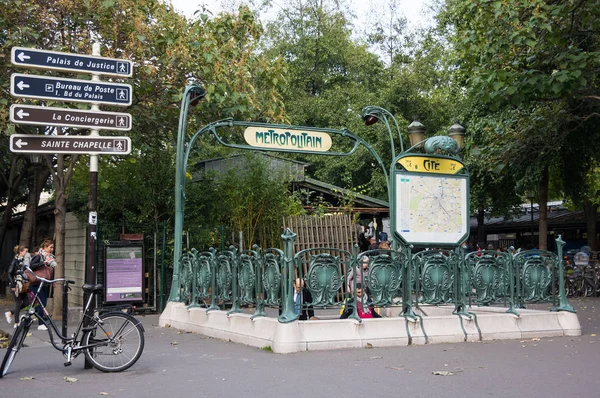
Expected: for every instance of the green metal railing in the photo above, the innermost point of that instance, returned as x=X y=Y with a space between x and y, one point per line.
x=259 y=279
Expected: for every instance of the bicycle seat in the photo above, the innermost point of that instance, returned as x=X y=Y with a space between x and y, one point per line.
x=90 y=288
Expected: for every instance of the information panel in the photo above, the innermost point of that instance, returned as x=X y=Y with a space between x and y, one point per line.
x=123 y=276
x=431 y=209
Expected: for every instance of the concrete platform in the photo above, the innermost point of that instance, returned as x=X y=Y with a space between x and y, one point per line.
x=435 y=325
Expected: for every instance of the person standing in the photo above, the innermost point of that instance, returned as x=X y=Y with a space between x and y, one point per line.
x=47 y=258
x=356 y=273
x=18 y=283
x=365 y=307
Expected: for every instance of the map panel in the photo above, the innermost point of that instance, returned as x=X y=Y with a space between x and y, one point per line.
x=431 y=209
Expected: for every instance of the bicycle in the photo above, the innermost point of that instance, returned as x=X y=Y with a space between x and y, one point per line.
x=112 y=341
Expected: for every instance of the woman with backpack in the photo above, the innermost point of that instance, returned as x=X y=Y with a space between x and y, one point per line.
x=19 y=284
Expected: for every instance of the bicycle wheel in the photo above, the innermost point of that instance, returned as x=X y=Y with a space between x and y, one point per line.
x=116 y=341
x=16 y=342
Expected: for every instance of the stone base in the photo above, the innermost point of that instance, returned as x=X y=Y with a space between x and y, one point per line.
x=438 y=325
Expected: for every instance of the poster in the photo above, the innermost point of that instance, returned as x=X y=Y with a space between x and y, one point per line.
x=124 y=273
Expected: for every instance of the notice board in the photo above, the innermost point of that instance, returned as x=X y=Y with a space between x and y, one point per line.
x=124 y=271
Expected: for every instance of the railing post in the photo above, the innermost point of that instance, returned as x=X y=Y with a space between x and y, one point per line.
x=235 y=300
x=287 y=301
x=260 y=303
x=195 y=270
x=407 y=310
x=213 y=282
x=563 y=304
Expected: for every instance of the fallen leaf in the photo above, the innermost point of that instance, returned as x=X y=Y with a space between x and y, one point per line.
x=369 y=345
x=442 y=373
x=593 y=334
x=174 y=343
x=395 y=368
x=103 y=393
x=27 y=378
x=70 y=379
x=535 y=339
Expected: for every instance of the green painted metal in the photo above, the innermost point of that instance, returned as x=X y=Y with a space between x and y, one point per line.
x=287 y=308
x=490 y=274
x=384 y=276
x=247 y=277
x=324 y=279
x=213 y=283
x=535 y=271
x=563 y=304
x=436 y=276
x=204 y=276
x=191 y=93
x=224 y=275
x=441 y=143
x=272 y=277
x=187 y=275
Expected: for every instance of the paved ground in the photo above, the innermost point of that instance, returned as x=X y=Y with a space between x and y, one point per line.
x=184 y=364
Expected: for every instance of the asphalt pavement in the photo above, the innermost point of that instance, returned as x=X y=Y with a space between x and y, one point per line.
x=186 y=364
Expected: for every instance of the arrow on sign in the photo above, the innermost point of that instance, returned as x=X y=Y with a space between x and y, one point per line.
x=23 y=57
x=22 y=113
x=20 y=143
x=22 y=85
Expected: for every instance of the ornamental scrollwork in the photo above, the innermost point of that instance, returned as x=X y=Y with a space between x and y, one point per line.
x=323 y=279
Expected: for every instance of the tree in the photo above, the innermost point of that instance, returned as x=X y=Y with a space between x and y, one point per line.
x=530 y=56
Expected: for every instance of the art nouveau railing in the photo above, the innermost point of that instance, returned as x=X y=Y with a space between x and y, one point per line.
x=257 y=279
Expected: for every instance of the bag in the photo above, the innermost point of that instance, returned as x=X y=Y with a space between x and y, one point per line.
x=21 y=285
x=42 y=271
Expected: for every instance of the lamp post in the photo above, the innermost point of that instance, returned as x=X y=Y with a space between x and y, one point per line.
x=457 y=133
x=191 y=95
x=416 y=132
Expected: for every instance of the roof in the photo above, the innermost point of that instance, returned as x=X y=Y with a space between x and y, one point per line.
x=359 y=199
x=557 y=218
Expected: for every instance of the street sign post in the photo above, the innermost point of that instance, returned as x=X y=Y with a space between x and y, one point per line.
x=70 y=144
x=61 y=89
x=53 y=60
x=62 y=117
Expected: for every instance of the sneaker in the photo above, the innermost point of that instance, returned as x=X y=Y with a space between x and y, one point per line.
x=9 y=317
x=42 y=327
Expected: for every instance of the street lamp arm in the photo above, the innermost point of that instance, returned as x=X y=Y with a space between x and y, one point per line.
x=372 y=110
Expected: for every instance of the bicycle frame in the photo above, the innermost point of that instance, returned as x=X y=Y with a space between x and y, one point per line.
x=49 y=322
x=101 y=332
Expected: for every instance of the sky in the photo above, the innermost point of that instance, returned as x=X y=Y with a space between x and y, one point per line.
x=412 y=9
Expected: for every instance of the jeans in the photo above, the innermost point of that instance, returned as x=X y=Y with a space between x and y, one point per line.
x=43 y=296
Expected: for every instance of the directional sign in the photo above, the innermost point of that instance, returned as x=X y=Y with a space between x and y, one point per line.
x=62 y=117
x=55 y=88
x=85 y=144
x=43 y=59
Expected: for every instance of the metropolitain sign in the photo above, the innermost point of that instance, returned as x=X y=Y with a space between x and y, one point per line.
x=287 y=139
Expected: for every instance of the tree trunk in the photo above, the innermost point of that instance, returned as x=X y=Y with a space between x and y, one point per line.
x=543 y=209
x=14 y=180
x=61 y=179
x=481 y=238
x=28 y=231
x=591 y=216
